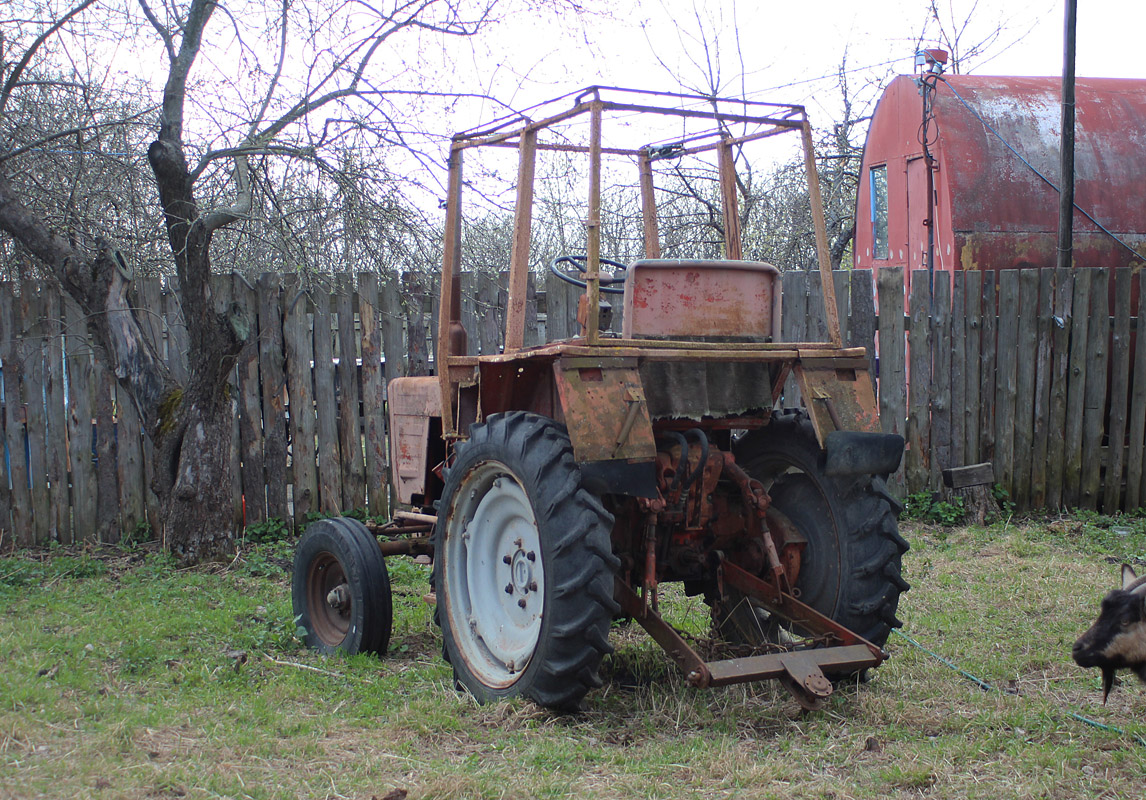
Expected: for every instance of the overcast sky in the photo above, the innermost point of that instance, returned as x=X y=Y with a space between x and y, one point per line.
x=785 y=46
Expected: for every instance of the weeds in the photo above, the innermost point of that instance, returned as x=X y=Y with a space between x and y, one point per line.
x=124 y=677
x=928 y=507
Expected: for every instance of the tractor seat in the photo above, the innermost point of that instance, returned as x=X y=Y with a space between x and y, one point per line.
x=698 y=299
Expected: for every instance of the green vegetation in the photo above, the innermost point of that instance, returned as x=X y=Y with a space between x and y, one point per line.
x=927 y=507
x=125 y=677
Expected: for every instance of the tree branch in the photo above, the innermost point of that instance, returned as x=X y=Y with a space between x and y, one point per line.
x=69 y=132
x=164 y=34
x=244 y=199
x=22 y=64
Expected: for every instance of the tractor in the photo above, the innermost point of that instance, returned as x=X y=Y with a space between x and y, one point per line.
x=556 y=487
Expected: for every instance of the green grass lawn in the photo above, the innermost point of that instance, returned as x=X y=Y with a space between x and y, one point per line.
x=122 y=677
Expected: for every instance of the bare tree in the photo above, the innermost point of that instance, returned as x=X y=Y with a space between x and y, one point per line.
x=310 y=68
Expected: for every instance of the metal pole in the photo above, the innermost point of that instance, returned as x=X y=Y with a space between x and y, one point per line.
x=1066 y=173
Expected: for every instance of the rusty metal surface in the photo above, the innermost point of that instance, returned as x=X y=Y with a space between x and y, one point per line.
x=838 y=398
x=993 y=211
x=683 y=299
x=689 y=661
x=413 y=401
x=791 y=609
x=602 y=399
x=845 y=658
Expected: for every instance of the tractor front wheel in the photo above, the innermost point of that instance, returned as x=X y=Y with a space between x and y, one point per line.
x=340 y=589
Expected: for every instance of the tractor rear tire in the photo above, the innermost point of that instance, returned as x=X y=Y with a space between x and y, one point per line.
x=340 y=589
x=524 y=567
x=851 y=569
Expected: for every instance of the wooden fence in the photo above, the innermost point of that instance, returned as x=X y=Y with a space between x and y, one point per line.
x=1046 y=390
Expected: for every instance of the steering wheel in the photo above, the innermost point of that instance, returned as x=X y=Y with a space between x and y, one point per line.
x=579 y=263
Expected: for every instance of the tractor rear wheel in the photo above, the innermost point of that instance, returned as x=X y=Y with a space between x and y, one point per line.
x=524 y=567
x=850 y=567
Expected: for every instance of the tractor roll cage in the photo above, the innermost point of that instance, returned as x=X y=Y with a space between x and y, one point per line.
x=526 y=131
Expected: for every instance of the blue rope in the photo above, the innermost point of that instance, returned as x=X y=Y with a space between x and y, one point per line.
x=986 y=687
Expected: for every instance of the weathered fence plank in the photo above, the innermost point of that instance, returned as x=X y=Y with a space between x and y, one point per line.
x=221 y=301
x=149 y=312
x=252 y=475
x=973 y=288
x=1076 y=390
x=958 y=368
x=1060 y=385
x=81 y=456
x=298 y=344
x=393 y=330
x=60 y=521
x=107 y=472
x=817 y=326
x=274 y=393
x=988 y=341
x=149 y=305
x=129 y=465
x=1006 y=376
x=793 y=322
x=892 y=357
x=469 y=312
x=941 y=393
x=349 y=422
x=843 y=302
x=561 y=299
x=177 y=341
x=1134 y=473
x=486 y=305
x=532 y=333
x=918 y=456
x=414 y=297
x=1025 y=351
x=861 y=325
x=1119 y=389
x=35 y=417
x=20 y=500
x=1097 y=355
x=373 y=410
x=329 y=477
x=1042 y=389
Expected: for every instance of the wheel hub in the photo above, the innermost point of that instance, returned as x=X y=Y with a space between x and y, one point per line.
x=494 y=574
x=521 y=570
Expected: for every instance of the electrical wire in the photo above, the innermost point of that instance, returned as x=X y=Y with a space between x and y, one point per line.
x=1033 y=169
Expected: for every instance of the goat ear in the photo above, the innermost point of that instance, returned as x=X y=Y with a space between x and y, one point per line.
x=1128 y=576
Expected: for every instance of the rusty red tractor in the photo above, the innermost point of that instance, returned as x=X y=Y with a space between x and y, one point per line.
x=556 y=487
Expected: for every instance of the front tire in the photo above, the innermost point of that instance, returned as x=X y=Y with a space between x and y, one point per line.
x=524 y=566
x=851 y=565
x=340 y=589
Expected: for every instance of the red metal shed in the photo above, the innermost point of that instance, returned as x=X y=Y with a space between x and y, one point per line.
x=992 y=210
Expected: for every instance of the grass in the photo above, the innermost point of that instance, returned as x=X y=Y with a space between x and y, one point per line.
x=123 y=677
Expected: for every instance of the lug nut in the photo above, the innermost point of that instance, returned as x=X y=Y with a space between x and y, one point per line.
x=509 y=588
x=533 y=586
x=532 y=556
x=506 y=560
x=521 y=603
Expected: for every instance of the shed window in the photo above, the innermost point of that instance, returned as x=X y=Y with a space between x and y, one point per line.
x=878 y=177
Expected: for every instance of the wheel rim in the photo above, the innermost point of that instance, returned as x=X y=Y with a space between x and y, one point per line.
x=495 y=578
x=328 y=598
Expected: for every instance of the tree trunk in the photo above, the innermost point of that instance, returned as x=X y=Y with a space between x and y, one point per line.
x=196 y=515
